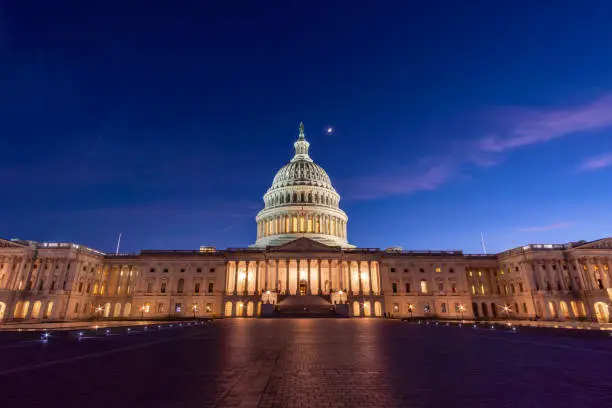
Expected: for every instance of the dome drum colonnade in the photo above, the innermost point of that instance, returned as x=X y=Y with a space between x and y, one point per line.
x=301 y=203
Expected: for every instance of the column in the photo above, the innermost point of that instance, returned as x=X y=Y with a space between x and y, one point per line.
x=319 y=275
x=266 y=273
x=350 y=280
x=276 y=276
x=236 y=263
x=370 y=273
x=287 y=277
x=608 y=263
x=359 y=277
x=257 y=271
x=309 y=278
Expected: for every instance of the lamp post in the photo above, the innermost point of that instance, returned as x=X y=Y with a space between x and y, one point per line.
x=410 y=309
x=98 y=312
x=507 y=309
x=194 y=309
x=461 y=309
x=142 y=310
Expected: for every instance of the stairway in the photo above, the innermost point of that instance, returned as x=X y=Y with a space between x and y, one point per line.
x=305 y=306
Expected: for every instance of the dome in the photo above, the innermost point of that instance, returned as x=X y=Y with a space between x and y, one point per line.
x=301 y=202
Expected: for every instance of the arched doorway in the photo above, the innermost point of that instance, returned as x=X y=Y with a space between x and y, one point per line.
x=367 y=311
x=259 y=308
x=250 y=309
x=107 y=309
x=239 y=309
x=564 y=310
x=494 y=309
x=484 y=310
x=356 y=311
x=36 y=309
x=127 y=310
x=48 y=310
x=228 y=309
x=475 y=309
x=602 y=312
x=2 y=310
x=377 y=309
x=21 y=310
x=303 y=288
x=552 y=308
x=117 y=312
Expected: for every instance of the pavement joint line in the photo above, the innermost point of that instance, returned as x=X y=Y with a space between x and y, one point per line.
x=51 y=363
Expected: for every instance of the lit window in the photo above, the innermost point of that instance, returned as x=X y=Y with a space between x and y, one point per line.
x=423 y=286
x=438 y=269
x=479 y=273
x=160 y=307
x=209 y=307
x=470 y=273
x=178 y=308
x=482 y=289
x=396 y=307
x=473 y=290
x=501 y=271
x=147 y=308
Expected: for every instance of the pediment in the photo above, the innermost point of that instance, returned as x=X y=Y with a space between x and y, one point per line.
x=5 y=243
x=304 y=245
x=604 y=243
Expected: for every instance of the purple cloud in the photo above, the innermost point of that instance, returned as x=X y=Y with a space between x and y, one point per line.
x=560 y=225
x=526 y=127
x=533 y=127
x=597 y=162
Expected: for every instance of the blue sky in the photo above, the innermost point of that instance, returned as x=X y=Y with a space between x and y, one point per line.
x=167 y=123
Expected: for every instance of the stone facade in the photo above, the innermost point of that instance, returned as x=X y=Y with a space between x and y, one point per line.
x=302 y=252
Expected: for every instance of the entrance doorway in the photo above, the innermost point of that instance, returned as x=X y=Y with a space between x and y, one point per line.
x=303 y=288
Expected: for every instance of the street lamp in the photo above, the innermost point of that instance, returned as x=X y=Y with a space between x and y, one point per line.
x=410 y=309
x=194 y=309
x=507 y=309
x=461 y=309
x=142 y=310
x=99 y=312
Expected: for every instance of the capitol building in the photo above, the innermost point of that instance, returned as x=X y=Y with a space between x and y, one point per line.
x=303 y=264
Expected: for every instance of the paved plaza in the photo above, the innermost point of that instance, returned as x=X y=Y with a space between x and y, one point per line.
x=306 y=363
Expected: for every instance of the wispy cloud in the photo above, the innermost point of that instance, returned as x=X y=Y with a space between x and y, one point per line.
x=550 y=227
x=524 y=127
x=597 y=162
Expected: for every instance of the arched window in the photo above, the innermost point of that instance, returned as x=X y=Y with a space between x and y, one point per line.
x=180 y=285
x=423 y=286
x=150 y=286
x=162 y=288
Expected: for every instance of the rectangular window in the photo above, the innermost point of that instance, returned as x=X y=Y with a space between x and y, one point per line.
x=199 y=270
x=80 y=287
x=482 y=291
x=396 y=307
x=149 y=286
x=160 y=307
x=524 y=307
x=454 y=288
x=473 y=290
x=443 y=307
x=178 y=307
x=407 y=287
x=211 y=270
x=210 y=287
x=394 y=287
x=423 y=286
x=197 y=287
x=392 y=269
x=209 y=308
x=152 y=270
x=163 y=287
x=438 y=269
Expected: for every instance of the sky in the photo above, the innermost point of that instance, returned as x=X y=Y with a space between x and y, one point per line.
x=167 y=121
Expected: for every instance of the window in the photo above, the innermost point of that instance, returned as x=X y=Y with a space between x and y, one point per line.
x=396 y=307
x=76 y=307
x=147 y=308
x=150 y=286
x=422 y=270
x=197 y=287
x=211 y=270
x=88 y=288
x=209 y=307
x=152 y=270
x=443 y=307
x=482 y=289
x=451 y=270
x=199 y=270
x=406 y=270
x=392 y=269
x=80 y=287
x=162 y=289
x=84 y=268
x=394 y=287
x=441 y=287
x=525 y=308
x=454 y=287
x=479 y=273
x=473 y=290
x=178 y=307
x=165 y=270
x=210 y=287
x=512 y=288
x=423 y=286
x=438 y=269
x=516 y=269
x=179 y=286
x=407 y=287
x=182 y=270
x=161 y=307
x=470 y=273
x=554 y=267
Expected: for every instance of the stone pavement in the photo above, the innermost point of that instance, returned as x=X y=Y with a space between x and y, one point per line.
x=309 y=363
